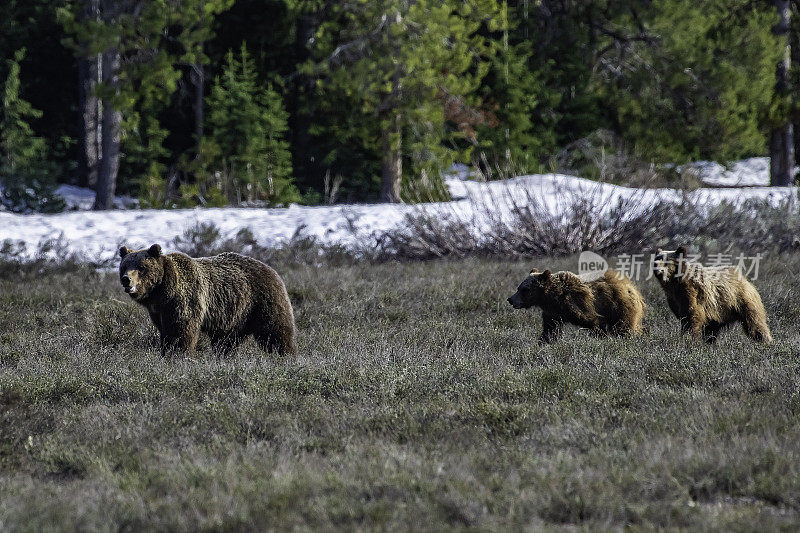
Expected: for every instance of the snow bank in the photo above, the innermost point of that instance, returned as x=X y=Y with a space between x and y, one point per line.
x=97 y=235
x=80 y=198
x=554 y=190
x=753 y=172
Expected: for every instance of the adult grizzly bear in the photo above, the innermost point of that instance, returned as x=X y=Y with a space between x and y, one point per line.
x=227 y=296
x=706 y=299
x=610 y=304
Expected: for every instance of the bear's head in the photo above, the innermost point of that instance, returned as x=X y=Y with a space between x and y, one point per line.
x=141 y=270
x=532 y=290
x=669 y=265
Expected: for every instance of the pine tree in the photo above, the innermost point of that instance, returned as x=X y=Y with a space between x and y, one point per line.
x=247 y=157
x=522 y=133
x=46 y=72
x=157 y=41
x=27 y=180
x=703 y=89
x=673 y=79
x=387 y=70
x=563 y=46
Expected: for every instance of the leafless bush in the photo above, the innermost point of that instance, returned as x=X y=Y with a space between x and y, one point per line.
x=205 y=239
x=52 y=255
x=605 y=157
x=522 y=223
x=332 y=188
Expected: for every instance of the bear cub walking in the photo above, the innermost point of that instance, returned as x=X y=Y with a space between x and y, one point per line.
x=610 y=304
x=228 y=297
x=706 y=299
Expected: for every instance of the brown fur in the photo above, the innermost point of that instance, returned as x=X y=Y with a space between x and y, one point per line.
x=228 y=297
x=706 y=299
x=610 y=304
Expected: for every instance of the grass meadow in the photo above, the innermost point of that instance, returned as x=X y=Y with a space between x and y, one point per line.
x=419 y=400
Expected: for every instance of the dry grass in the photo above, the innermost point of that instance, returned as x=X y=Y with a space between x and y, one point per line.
x=419 y=400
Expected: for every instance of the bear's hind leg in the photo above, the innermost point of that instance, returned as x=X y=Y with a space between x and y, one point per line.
x=756 y=328
x=637 y=318
x=274 y=338
x=711 y=333
x=275 y=342
x=630 y=323
x=753 y=315
x=273 y=330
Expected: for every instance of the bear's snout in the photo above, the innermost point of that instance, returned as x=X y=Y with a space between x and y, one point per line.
x=129 y=283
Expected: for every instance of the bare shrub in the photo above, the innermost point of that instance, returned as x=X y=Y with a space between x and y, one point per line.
x=205 y=239
x=49 y=255
x=522 y=222
x=603 y=156
x=514 y=222
x=511 y=220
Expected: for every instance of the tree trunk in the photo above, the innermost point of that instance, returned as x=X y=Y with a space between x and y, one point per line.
x=781 y=144
x=88 y=141
x=111 y=119
x=300 y=120
x=89 y=105
x=392 y=139
x=781 y=152
x=198 y=81
x=392 y=162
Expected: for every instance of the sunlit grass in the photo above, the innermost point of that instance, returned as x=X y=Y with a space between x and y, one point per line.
x=419 y=399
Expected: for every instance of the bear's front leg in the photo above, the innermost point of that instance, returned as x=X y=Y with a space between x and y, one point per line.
x=179 y=335
x=156 y=318
x=694 y=324
x=551 y=329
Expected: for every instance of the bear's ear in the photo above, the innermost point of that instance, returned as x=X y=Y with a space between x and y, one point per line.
x=123 y=252
x=154 y=251
x=681 y=251
x=544 y=276
x=534 y=271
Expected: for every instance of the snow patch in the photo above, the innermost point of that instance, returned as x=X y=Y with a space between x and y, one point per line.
x=97 y=235
x=81 y=198
x=753 y=172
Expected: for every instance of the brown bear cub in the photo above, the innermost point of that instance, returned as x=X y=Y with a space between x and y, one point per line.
x=228 y=297
x=610 y=304
x=706 y=299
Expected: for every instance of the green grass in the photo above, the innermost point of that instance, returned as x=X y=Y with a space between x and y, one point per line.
x=419 y=400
